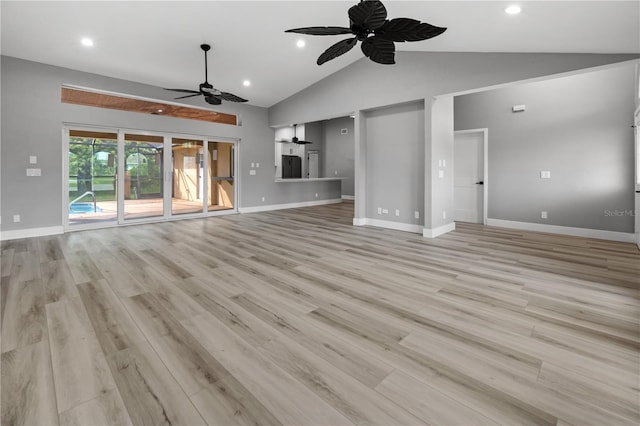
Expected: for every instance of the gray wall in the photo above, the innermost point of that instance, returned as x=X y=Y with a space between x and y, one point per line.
x=440 y=147
x=33 y=116
x=419 y=76
x=578 y=128
x=395 y=162
x=338 y=153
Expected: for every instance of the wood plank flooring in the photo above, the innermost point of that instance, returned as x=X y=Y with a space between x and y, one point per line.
x=295 y=317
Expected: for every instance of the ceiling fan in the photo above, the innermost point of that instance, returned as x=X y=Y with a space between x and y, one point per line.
x=369 y=24
x=211 y=95
x=294 y=139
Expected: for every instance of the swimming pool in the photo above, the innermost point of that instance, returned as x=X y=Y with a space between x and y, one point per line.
x=75 y=208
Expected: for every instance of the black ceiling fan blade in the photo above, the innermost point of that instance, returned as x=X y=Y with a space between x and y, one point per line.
x=213 y=100
x=188 y=96
x=320 y=30
x=184 y=91
x=370 y=14
x=406 y=29
x=340 y=48
x=379 y=50
x=231 y=97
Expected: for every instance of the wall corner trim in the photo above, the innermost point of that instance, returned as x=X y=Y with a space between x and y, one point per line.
x=359 y=221
x=30 y=233
x=440 y=230
x=270 y=207
x=600 y=234
x=396 y=226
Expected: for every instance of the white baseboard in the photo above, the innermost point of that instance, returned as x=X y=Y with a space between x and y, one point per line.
x=436 y=232
x=564 y=230
x=31 y=232
x=270 y=207
x=407 y=227
x=359 y=221
x=348 y=197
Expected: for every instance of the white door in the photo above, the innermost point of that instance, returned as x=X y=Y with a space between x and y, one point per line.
x=312 y=158
x=468 y=166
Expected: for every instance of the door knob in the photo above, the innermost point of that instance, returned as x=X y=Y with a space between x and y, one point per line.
x=480 y=182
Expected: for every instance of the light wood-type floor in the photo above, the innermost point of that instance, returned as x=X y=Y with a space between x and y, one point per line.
x=296 y=317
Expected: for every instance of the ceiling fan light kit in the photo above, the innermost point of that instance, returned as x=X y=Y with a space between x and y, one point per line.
x=368 y=24
x=211 y=95
x=295 y=137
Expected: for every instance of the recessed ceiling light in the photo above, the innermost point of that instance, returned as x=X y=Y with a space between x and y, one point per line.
x=159 y=110
x=246 y=83
x=301 y=43
x=86 y=41
x=513 y=10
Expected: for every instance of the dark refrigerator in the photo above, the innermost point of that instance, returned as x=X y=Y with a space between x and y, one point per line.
x=291 y=167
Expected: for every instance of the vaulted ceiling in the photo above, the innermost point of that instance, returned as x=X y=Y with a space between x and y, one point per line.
x=158 y=42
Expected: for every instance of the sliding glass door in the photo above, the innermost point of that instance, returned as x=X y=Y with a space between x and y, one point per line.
x=91 y=177
x=143 y=176
x=221 y=191
x=118 y=177
x=187 y=183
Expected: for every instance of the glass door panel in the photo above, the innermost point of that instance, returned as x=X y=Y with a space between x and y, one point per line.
x=187 y=176
x=143 y=183
x=221 y=170
x=92 y=177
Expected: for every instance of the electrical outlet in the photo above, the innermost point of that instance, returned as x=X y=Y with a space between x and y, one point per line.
x=16 y=218
x=252 y=172
x=34 y=172
x=385 y=211
x=263 y=199
x=444 y=214
x=33 y=159
x=379 y=210
x=316 y=195
x=440 y=174
x=397 y=212
x=545 y=174
x=543 y=215
x=335 y=172
x=416 y=214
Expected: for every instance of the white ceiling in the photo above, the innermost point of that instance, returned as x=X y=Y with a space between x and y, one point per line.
x=158 y=42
